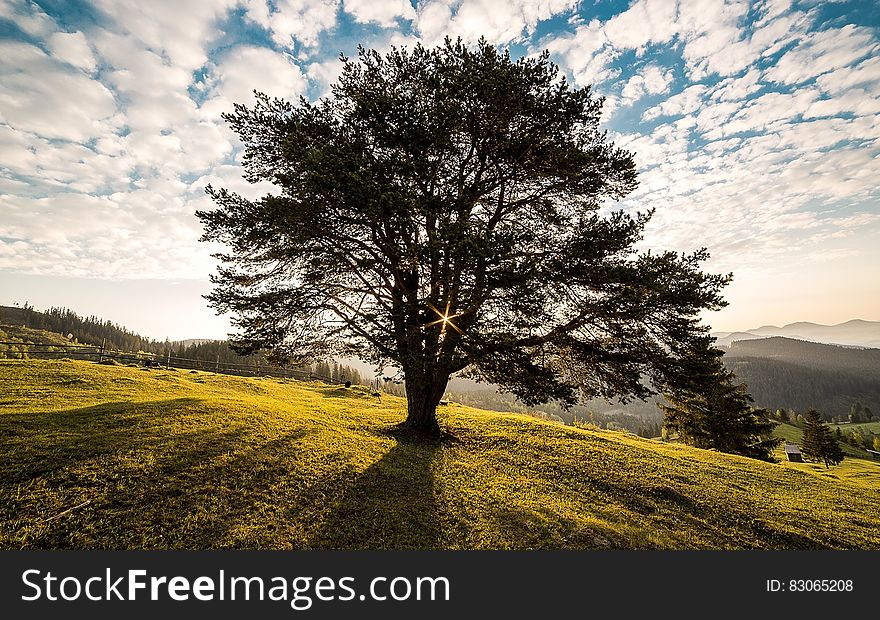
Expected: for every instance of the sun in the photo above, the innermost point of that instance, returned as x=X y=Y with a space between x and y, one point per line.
x=445 y=318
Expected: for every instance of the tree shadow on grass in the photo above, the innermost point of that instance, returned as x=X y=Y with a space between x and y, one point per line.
x=390 y=505
x=138 y=480
x=40 y=443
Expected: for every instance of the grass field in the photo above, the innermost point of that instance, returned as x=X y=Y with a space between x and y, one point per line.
x=864 y=427
x=794 y=434
x=117 y=457
x=856 y=467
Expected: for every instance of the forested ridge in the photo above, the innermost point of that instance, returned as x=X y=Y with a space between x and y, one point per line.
x=796 y=374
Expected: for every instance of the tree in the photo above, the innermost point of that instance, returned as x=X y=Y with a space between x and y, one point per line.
x=876 y=443
x=856 y=412
x=439 y=213
x=711 y=410
x=819 y=442
x=857 y=439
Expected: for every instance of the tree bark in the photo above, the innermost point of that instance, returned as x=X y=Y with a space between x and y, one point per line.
x=423 y=394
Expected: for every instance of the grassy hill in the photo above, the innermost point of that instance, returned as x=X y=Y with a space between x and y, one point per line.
x=119 y=457
x=19 y=333
x=857 y=465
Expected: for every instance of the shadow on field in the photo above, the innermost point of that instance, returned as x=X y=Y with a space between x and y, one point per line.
x=47 y=441
x=161 y=474
x=391 y=505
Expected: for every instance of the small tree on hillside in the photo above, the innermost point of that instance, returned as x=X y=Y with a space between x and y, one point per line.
x=819 y=442
x=440 y=212
x=711 y=410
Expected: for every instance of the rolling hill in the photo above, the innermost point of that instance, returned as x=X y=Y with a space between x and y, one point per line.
x=99 y=456
x=788 y=373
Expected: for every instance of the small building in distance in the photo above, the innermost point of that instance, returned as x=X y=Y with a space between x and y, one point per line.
x=793 y=453
x=874 y=454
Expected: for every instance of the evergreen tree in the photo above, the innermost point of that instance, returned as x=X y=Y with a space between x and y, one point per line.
x=819 y=442
x=440 y=212
x=713 y=411
x=856 y=412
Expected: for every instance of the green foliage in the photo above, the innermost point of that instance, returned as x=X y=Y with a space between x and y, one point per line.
x=794 y=434
x=857 y=439
x=440 y=212
x=201 y=460
x=713 y=411
x=819 y=442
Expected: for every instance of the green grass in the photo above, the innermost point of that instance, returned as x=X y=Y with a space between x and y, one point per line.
x=794 y=434
x=857 y=466
x=19 y=333
x=179 y=459
x=865 y=427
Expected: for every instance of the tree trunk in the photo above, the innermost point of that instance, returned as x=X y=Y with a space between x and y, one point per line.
x=422 y=397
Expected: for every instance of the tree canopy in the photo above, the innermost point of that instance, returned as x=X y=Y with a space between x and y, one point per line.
x=710 y=409
x=444 y=210
x=819 y=442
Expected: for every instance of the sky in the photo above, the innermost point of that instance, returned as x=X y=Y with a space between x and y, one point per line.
x=756 y=129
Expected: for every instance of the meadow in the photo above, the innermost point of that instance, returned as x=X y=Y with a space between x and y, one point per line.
x=109 y=456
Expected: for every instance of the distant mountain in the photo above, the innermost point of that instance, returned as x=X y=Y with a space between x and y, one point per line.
x=795 y=374
x=857 y=332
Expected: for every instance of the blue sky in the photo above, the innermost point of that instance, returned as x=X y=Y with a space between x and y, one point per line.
x=756 y=128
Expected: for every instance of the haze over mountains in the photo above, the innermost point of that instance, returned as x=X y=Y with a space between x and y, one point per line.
x=854 y=333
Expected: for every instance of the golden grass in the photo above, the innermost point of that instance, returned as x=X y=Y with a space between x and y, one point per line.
x=179 y=459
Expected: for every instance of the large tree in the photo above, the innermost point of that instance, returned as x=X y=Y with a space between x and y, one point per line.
x=441 y=212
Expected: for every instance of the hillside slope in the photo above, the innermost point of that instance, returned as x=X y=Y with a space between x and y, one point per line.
x=782 y=372
x=173 y=459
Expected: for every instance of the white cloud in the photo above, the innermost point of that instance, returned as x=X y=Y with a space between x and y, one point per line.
x=234 y=78
x=117 y=236
x=713 y=35
x=822 y=52
x=115 y=141
x=45 y=106
x=72 y=48
x=179 y=31
x=499 y=21
x=684 y=102
x=383 y=12
x=866 y=73
x=294 y=20
x=27 y=16
x=733 y=89
x=646 y=21
x=651 y=80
